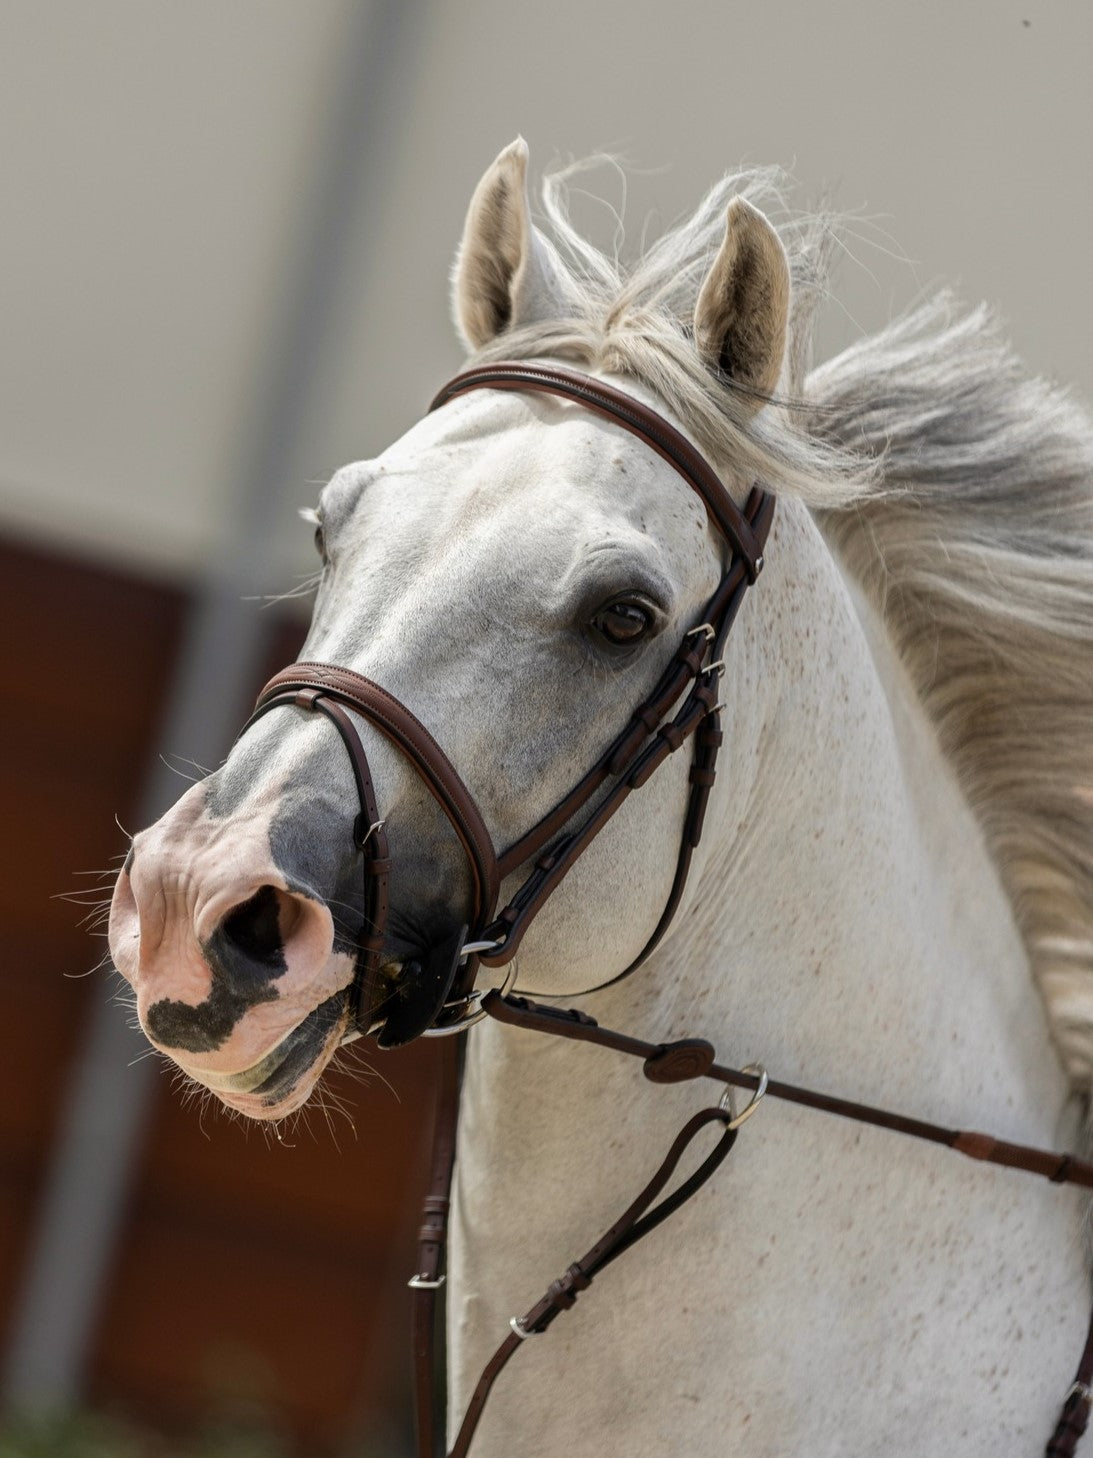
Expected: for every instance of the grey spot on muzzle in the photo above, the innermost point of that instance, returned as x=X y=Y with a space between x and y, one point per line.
x=246 y=958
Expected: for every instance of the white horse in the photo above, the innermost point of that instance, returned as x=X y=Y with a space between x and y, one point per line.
x=893 y=900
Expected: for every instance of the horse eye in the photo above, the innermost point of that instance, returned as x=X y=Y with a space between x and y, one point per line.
x=623 y=622
x=320 y=542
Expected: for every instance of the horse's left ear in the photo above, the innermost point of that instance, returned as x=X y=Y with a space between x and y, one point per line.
x=743 y=306
x=505 y=273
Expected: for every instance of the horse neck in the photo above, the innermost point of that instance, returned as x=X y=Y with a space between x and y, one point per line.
x=845 y=927
x=847 y=924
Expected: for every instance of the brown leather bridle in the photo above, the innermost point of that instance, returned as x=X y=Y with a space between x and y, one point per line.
x=440 y=996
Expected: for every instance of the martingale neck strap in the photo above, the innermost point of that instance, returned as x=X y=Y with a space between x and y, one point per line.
x=679 y=1061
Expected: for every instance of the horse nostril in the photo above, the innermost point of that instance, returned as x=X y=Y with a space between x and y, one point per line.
x=255 y=928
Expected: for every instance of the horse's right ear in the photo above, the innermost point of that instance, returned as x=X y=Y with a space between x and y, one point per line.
x=505 y=274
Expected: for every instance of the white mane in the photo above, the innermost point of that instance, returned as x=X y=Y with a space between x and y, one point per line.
x=958 y=490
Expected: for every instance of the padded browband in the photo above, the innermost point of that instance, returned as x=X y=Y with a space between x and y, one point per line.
x=747 y=540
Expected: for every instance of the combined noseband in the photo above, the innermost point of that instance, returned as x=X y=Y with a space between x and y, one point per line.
x=437 y=994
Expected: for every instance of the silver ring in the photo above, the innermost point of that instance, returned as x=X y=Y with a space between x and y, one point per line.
x=521 y=1330
x=473 y=1014
x=423 y=1283
x=727 y=1105
x=472 y=948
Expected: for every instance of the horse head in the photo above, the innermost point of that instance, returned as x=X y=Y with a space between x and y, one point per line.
x=517 y=573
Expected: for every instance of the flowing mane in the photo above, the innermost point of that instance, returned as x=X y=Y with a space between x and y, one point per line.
x=956 y=489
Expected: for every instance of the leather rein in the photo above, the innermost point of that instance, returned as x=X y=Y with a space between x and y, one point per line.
x=437 y=994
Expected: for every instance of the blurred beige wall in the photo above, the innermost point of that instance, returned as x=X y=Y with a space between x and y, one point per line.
x=154 y=179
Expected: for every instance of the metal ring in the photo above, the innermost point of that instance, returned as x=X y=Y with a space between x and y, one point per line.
x=423 y=1283
x=706 y=628
x=521 y=1330
x=727 y=1106
x=471 y=1013
x=718 y=666
x=470 y=948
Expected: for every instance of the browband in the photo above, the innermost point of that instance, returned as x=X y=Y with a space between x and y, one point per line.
x=746 y=538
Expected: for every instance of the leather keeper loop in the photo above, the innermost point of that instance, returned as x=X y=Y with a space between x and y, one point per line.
x=673 y=735
x=693 y=658
x=564 y=1291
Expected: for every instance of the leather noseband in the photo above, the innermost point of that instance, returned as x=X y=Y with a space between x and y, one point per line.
x=439 y=996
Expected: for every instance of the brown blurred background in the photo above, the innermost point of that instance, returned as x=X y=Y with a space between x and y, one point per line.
x=227 y=230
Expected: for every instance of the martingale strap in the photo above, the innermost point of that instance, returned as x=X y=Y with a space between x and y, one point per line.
x=679 y=1061
x=636 y=1221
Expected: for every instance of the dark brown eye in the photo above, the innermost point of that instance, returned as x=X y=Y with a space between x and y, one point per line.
x=623 y=623
x=320 y=542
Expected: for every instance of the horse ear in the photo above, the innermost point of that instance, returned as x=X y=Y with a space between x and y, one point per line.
x=743 y=305
x=505 y=274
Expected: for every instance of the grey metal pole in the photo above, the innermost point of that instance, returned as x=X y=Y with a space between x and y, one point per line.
x=110 y=1095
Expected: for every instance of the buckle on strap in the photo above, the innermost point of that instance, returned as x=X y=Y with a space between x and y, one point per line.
x=707 y=628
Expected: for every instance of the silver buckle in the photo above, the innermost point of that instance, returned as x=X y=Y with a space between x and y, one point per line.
x=706 y=628
x=423 y=1283
x=521 y=1330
